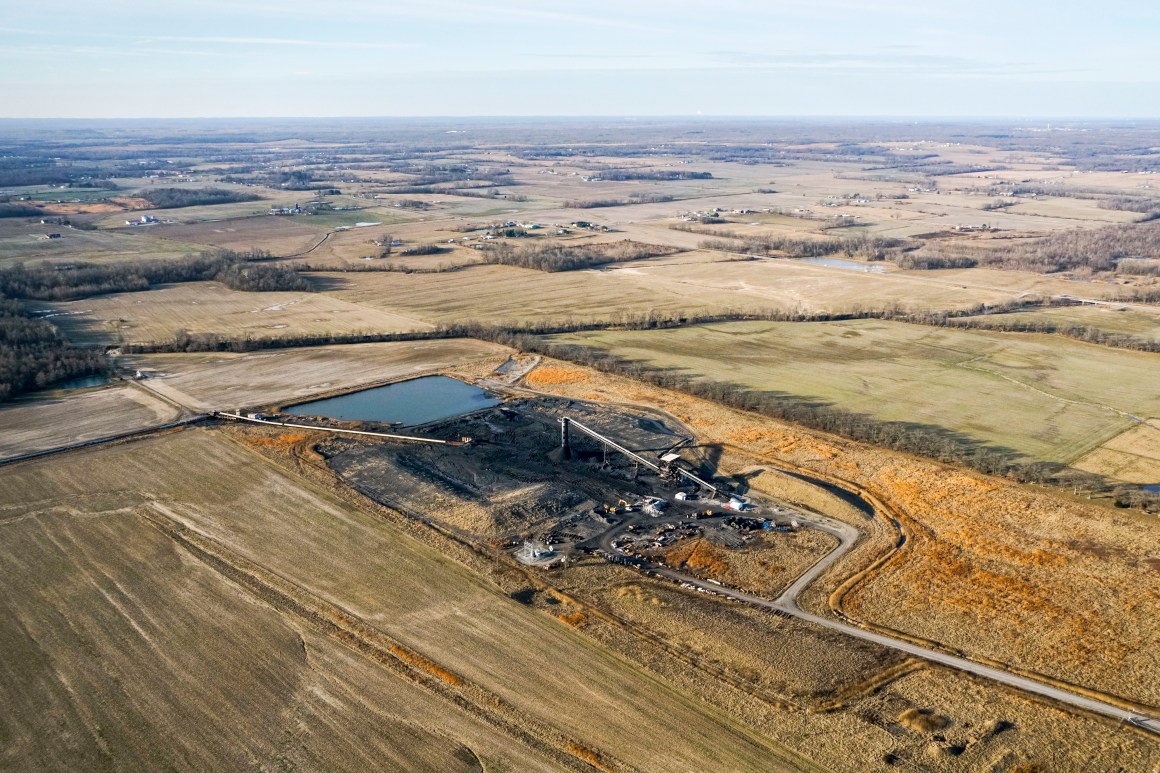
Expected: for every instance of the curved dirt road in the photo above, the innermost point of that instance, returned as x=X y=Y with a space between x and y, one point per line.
x=847 y=535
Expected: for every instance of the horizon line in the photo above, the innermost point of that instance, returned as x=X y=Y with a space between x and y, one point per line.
x=596 y=117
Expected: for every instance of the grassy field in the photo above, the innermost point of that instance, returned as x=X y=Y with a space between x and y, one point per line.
x=1133 y=456
x=1045 y=398
x=209 y=381
x=693 y=281
x=103 y=613
x=208 y=307
x=22 y=242
x=1138 y=321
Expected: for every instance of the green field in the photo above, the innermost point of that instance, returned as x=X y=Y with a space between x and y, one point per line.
x=1047 y=398
x=1137 y=321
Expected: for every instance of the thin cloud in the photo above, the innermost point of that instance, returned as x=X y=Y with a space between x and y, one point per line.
x=263 y=41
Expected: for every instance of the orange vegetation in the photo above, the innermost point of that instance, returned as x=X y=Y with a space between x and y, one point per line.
x=80 y=208
x=586 y=754
x=991 y=567
x=283 y=441
x=922 y=720
x=555 y=374
x=417 y=660
x=575 y=619
x=700 y=556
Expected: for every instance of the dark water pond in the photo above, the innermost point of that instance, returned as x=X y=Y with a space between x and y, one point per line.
x=84 y=382
x=417 y=401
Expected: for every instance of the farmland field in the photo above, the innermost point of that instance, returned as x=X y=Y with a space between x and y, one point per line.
x=229 y=595
x=40 y=423
x=1133 y=456
x=685 y=282
x=22 y=242
x=226 y=380
x=208 y=307
x=278 y=235
x=1137 y=321
x=88 y=580
x=1047 y=399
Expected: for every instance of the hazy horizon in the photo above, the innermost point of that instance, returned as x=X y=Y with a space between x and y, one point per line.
x=901 y=59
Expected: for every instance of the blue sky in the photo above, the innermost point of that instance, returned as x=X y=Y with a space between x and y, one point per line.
x=932 y=58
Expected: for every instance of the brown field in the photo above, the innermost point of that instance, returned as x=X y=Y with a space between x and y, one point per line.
x=208 y=307
x=692 y=282
x=1133 y=456
x=99 y=574
x=841 y=699
x=766 y=565
x=40 y=423
x=87 y=579
x=22 y=242
x=993 y=569
x=225 y=380
x=278 y=235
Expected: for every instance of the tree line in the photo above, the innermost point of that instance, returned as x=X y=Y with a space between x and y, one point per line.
x=62 y=282
x=1127 y=248
x=622 y=175
x=175 y=198
x=33 y=354
x=558 y=257
x=925 y=440
x=636 y=198
x=1095 y=249
x=862 y=246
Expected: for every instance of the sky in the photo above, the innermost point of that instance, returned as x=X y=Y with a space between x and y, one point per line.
x=778 y=58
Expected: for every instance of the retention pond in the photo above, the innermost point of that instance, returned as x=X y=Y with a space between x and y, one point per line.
x=418 y=401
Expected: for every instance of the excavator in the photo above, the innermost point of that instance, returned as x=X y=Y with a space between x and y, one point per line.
x=620 y=507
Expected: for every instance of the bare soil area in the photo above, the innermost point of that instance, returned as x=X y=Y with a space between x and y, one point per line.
x=43 y=422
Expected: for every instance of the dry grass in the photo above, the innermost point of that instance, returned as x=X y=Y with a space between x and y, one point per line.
x=766 y=565
x=430 y=666
x=694 y=282
x=278 y=235
x=922 y=720
x=20 y=241
x=1044 y=397
x=208 y=307
x=556 y=375
x=995 y=569
x=280 y=441
x=1139 y=321
x=1133 y=456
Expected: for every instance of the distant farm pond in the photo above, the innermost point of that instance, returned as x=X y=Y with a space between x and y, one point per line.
x=850 y=265
x=418 y=401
